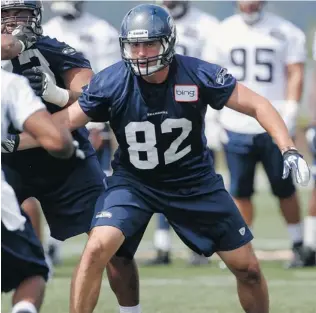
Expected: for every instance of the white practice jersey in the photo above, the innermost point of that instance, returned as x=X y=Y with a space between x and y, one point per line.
x=257 y=56
x=18 y=103
x=194 y=31
x=90 y=35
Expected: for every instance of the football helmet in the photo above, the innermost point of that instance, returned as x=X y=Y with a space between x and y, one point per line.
x=147 y=23
x=69 y=10
x=35 y=21
x=251 y=11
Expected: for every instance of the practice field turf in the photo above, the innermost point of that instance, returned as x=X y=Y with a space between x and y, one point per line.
x=207 y=289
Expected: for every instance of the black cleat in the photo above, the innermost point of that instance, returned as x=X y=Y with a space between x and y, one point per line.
x=162 y=258
x=297 y=260
x=308 y=257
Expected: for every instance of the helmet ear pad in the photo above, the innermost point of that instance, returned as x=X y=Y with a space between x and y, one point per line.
x=148 y=23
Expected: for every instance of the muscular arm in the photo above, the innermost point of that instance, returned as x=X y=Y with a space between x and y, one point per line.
x=248 y=102
x=71 y=118
x=10 y=47
x=295 y=78
x=54 y=138
x=74 y=80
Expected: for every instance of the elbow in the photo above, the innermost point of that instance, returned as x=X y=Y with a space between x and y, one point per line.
x=59 y=145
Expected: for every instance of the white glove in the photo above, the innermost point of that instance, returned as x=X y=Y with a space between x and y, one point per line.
x=78 y=152
x=288 y=109
x=293 y=161
x=54 y=94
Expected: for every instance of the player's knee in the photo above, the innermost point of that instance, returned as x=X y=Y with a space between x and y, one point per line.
x=249 y=272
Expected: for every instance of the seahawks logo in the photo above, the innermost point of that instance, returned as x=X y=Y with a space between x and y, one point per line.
x=220 y=76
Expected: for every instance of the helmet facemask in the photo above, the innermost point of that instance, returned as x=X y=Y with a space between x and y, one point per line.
x=254 y=16
x=33 y=18
x=148 y=65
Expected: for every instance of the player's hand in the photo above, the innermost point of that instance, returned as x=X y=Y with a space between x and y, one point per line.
x=37 y=80
x=311 y=138
x=25 y=35
x=10 y=144
x=78 y=152
x=293 y=161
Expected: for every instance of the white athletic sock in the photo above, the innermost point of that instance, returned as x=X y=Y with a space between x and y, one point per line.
x=162 y=240
x=24 y=306
x=295 y=232
x=310 y=232
x=130 y=309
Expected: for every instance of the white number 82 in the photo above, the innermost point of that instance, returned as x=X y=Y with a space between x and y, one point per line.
x=148 y=146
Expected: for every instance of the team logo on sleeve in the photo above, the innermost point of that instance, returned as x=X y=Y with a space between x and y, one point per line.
x=220 y=76
x=186 y=93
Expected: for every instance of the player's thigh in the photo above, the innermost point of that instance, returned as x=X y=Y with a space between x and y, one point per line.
x=242 y=171
x=272 y=162
x=15 y=180
x=69 y=208
x=22 y=256
x=209 y=223
x=122 y=206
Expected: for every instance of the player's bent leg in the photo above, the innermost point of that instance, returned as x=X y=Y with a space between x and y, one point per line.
x=124 y=281
x=33 y=209
x=102 y=244
x=246 y=209
x=251 y=284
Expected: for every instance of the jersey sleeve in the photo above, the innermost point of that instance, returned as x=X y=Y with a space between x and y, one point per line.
x=60 y=56
x=94 y=100
x=296 y=46
x=22 y=102
x=217 y=85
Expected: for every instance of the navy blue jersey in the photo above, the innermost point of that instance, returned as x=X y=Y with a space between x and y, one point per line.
x=160 y=127
x=54 y=58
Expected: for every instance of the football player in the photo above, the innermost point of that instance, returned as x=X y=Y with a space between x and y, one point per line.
x=309 y=254
x=156 y=101
x=66 y=189
x=23 y=266
x=193 y=27
x=91 y=40
x=267 y=54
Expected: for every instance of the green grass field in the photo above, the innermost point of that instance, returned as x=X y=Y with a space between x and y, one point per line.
x=206 y=289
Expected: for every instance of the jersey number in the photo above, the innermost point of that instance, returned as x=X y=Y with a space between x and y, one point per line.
x=148 y=142
x=263 y=58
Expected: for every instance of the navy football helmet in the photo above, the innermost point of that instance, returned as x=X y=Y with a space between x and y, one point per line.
x=69 y=10
x=36 y=7
x=148 y=23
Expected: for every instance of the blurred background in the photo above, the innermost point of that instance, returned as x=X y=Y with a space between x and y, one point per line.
x=210 y=287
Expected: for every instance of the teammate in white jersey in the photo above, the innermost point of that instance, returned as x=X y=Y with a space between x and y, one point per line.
x=22 y=256
x=97 y=40
x=267 y=54
x=193 y=29
x=309 y=256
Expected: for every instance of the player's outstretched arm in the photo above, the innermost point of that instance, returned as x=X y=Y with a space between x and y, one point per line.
x=71 y=118
x=248 y=102
x=21 y=39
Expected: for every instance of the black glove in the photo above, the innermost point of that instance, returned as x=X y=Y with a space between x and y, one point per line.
x=10 y=144
x=293 y=161
x=26 y=35
x=37 y=80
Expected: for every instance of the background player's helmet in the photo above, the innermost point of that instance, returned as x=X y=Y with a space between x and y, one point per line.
x=251 y=11
x=145 y=23
x=35 y=6
x=69 y=10
x=177 y=8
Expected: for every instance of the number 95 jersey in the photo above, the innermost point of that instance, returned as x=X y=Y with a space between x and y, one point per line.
x=160 y=127
x=257 y=56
